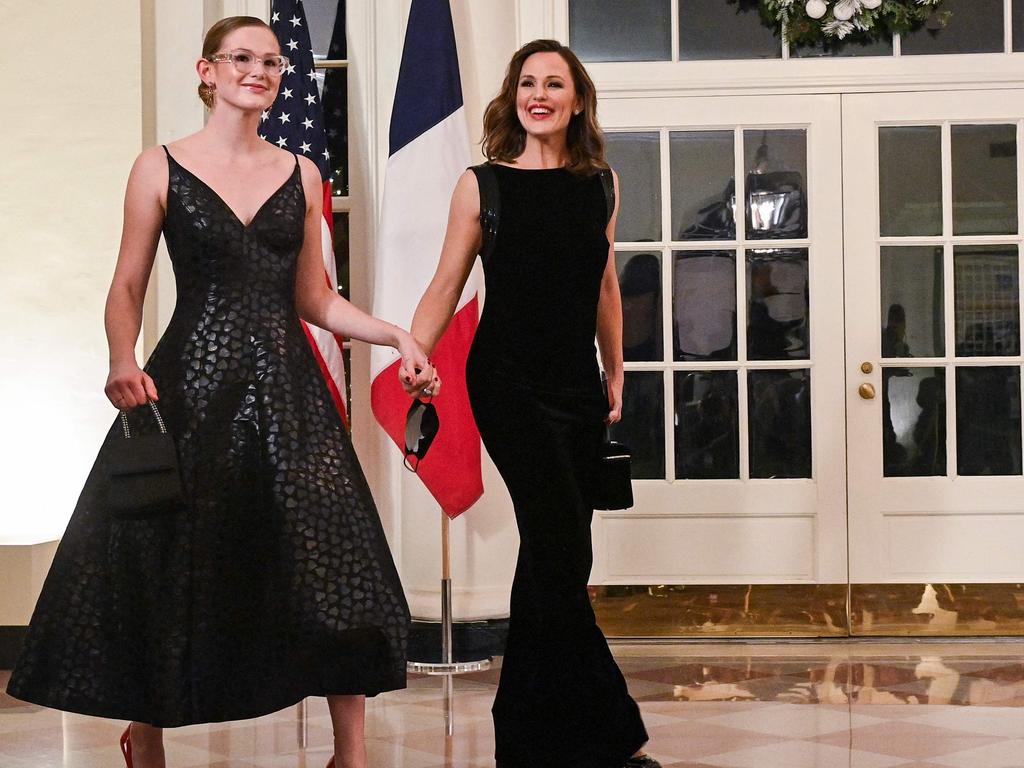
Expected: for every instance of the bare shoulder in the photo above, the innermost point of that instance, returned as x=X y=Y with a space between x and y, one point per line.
x=152 y=160
x=466 y=197
x=312 y=181
x=149 y=173
x=467 y=181
x=311 y=178
x=309 y=169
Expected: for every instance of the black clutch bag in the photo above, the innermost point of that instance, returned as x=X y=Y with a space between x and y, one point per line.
x=143 y=479
x=613 y=479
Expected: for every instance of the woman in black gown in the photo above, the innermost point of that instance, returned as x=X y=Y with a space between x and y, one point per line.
x=274 y=581
x=535 y=389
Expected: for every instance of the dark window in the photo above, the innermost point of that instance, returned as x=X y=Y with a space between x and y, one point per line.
x=621 y=30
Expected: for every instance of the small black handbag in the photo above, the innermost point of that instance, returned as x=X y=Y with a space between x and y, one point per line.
x=613 y=479
x=143 y=479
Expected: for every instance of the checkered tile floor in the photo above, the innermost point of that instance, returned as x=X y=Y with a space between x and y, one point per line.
x=912 y=705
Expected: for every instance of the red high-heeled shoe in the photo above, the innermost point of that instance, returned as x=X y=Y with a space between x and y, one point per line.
x=126 y=746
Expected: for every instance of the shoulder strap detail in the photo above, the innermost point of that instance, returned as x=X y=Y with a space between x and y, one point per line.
x=608 y=184
x=166 y=150
x=490 y=207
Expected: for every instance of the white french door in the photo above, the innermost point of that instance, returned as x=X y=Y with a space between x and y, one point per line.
x=729 y=248
x=933 y=364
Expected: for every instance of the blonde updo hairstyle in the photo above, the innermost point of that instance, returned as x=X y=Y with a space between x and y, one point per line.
x=215 y=39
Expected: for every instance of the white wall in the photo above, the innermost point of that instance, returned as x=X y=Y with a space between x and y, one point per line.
x=69 y=140
x=23 y=567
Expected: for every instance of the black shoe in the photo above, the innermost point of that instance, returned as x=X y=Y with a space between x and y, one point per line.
x=644 y=761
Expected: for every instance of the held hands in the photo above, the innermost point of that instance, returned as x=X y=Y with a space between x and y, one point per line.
x=417 y=373
x=128 y=386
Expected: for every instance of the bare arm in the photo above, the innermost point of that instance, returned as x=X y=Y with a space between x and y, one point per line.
x=609 y=321
x=461 y=245
x=318 y=304
x=127 y=385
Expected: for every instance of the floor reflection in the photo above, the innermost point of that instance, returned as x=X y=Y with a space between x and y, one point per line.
x=809 y=610
x=922 y=679
x=722 y=705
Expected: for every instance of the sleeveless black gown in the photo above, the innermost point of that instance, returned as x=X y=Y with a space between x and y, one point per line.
x=275 y=581
x=535 y=390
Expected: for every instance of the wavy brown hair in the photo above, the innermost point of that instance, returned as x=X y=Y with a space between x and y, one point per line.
x=215 y=38
x=504 y=136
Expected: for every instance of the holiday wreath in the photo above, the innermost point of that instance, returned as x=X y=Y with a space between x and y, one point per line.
x=808 y=22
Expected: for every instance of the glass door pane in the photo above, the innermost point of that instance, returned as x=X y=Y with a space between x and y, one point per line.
x=704 y=305
x=984 y=163
x=912 y=301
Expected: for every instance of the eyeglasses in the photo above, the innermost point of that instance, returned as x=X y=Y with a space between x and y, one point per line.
x=421 y=427
x=244 y=61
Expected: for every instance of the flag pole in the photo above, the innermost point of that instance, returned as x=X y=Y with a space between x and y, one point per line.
x=447 y=664
x=447 y=667
x=446 y=591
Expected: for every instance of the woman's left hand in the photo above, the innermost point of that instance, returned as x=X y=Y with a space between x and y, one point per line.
x=614 y=402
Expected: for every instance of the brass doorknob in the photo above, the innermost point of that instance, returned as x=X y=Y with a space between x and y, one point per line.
x=866 y=391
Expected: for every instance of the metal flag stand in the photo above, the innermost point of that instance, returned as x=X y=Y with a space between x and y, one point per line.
x=447 y=667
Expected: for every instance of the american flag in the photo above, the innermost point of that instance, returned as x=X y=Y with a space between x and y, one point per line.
x=295 y=122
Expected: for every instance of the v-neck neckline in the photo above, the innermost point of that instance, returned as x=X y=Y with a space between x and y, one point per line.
x=224 y=202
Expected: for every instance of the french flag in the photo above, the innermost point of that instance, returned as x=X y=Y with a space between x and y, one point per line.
x=429 y=150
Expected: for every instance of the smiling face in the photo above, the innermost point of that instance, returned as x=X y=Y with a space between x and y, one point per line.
x=546 y=96
x=250 y=91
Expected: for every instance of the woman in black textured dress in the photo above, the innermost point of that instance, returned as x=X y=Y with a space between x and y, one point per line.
x=535 y=390
x=274 y=582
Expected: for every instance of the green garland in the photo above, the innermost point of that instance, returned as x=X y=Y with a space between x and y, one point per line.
x=789 y=17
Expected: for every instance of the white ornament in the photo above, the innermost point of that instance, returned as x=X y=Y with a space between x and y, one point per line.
x=816 y=8
x=844 y=10
x=871 y=4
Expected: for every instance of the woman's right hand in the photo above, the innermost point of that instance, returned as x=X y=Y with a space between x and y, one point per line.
x=128 y=386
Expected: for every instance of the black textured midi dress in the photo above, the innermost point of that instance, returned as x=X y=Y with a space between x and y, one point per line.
x=274 y=581
x=535 y=389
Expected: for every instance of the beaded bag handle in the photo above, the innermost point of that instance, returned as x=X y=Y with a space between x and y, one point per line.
x=156 y=415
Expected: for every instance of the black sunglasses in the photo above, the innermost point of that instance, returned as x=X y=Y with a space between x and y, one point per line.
x=421 y=426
